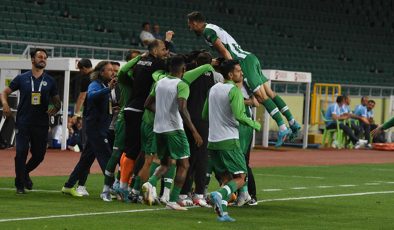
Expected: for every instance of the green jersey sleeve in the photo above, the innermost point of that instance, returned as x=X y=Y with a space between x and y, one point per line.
x=210 y=35
x=153 y=90
x=388 y=124
x=193 y=74
x=159 y=74
x=126 y=71
x=183 y=90
x=238 y=109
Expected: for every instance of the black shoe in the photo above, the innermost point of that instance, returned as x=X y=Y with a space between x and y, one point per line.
x=133 y=197
x=20 y=191
x=253 y=201
x=28 y=183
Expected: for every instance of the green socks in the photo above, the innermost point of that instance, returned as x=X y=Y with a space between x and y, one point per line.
x=226 y=190
x=175 y=194
x=283 y=107
x=153 y=180
x=169 y=176
x=137 y=183
x=153 y=167
x=273 y=111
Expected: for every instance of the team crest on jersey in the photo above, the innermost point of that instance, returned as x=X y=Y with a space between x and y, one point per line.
x=44 y=83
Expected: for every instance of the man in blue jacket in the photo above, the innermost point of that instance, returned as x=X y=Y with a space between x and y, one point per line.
x=98 y=119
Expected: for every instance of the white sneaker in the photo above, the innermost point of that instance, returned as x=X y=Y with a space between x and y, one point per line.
x=149 y=193
x=166 y=196
x=82 y=190
x=362 y=141
x=360 y=144
x=175 y=206
x=106 y=196
x=164 y=200
x=243 y=198
x=185 y=201
x=334 y=144
x=198 y=199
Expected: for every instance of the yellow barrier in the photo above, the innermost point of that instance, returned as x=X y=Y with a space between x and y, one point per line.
x=322 y=93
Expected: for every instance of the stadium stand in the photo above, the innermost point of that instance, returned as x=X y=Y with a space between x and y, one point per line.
x=339 y=41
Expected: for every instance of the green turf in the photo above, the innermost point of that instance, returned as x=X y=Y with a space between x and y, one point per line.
x=373 y=211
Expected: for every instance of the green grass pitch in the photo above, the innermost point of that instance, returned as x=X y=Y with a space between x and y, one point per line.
x=311 y=197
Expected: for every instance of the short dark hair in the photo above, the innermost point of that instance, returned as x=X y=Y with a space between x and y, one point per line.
x=175 y=63
x=115 y=63
x=196 y=16
x=340 y=99
x=129 y=53
x=228 y=66
x=84 y=63
x=371 y=101
x=34 y=52
x=153 y=44
x=144 y=24
x=204 y=58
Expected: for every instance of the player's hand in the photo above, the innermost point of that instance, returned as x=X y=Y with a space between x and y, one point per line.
x=112 y=83
x=197 y=138
x=258 y=126
x=7 y=110
x=376 y=131
x=145 y=54
x=169 y=35
x=215 y=62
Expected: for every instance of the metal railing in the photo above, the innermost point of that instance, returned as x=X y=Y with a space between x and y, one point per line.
x=57 y=50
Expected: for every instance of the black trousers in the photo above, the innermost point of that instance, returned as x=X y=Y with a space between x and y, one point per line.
x=133 y=122
x=367 y=129
x=346 y=129
x=198 y=160
x=36 y=138
x=97 y=147
x=251 y=181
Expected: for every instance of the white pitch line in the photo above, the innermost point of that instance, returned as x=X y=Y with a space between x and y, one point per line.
x=34 y=190
x=159 y=209
x=299 y=188
x=326 y=196
x=271 y=190
x=294 y=176
x=347 y=185
x=372 y=183
x=325 y=186
x=79 y=214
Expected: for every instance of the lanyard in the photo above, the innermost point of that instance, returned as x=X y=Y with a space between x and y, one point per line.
x=32 y=84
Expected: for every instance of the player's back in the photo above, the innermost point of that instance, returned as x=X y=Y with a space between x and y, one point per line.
x=142 y=80
x=212 y=32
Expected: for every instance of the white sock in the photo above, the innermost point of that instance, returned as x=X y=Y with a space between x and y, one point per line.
x=166 y=193
x=106 y=188
x=123 y=185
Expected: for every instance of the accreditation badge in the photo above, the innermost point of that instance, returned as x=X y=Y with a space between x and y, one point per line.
x=110 y=107
x=35 y=98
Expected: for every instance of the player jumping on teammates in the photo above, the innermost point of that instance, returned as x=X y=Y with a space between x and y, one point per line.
x=229 y=49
